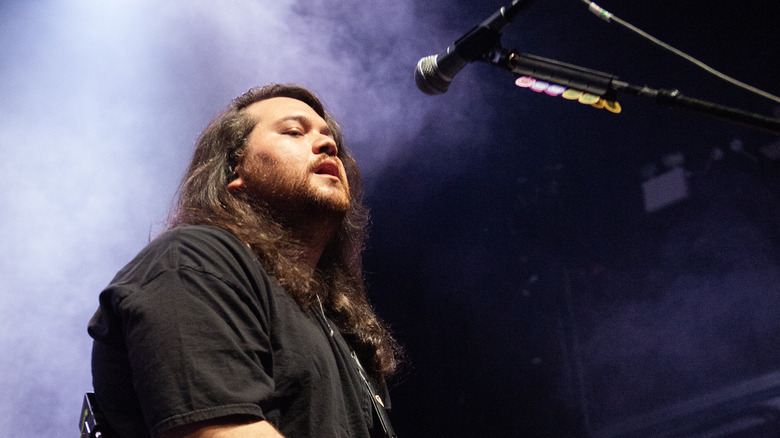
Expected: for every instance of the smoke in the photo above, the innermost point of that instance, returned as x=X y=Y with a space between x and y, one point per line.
x=696 y=317
x=101 y=102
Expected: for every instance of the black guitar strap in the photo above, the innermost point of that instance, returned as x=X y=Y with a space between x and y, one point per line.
x=376 y=401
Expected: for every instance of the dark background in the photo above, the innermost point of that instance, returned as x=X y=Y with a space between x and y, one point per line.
x=510 y=249
x=534 y=294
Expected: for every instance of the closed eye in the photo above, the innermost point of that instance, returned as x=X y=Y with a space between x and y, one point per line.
x=293 y=132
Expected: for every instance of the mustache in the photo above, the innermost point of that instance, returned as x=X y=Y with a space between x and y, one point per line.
x=328 y=164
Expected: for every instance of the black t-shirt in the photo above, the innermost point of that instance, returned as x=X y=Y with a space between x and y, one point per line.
x=193 y=329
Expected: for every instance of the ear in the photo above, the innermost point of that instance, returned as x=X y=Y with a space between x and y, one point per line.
x=236 y=184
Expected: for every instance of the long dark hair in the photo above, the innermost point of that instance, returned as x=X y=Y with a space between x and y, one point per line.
x=338 y=279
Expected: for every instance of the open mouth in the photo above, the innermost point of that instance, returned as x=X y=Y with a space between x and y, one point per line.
x=327 y=168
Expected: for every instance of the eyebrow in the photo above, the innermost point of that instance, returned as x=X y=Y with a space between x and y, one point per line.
x=303 y=120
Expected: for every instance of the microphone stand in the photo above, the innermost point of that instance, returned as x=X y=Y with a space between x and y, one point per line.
x=607 y=86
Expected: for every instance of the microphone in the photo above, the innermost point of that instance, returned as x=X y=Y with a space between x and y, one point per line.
x=434 y=73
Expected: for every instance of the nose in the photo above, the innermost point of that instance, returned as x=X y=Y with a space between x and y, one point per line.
x=325 y=144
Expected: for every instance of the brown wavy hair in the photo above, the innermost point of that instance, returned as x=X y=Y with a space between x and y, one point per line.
x=204 y=199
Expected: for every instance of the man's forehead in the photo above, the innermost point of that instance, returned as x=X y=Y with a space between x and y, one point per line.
x=277 y=108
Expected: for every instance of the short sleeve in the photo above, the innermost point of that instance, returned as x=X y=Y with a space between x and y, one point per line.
x=182 y=333
x=197 y=349
x=194 y=329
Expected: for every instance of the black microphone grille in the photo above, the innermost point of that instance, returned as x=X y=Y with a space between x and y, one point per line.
x=428 y=77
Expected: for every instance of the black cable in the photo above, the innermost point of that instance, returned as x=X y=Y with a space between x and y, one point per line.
x=609 y=18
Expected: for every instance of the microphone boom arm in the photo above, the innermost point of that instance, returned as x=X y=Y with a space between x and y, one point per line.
x=607 y=86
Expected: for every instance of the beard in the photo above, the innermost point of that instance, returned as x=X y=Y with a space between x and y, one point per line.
x=295 y=197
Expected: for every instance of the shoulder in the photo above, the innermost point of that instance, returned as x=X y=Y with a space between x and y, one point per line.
x=200 y=247
x=186 y=265
x=187 y=251
x=200 y=236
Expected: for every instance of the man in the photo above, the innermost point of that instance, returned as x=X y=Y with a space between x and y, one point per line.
x=248 y=317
